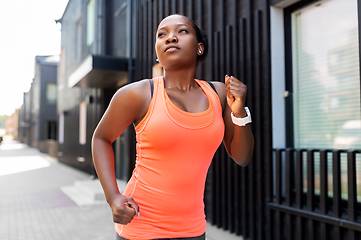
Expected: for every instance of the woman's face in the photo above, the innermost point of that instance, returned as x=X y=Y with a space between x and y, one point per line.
x=176 y=42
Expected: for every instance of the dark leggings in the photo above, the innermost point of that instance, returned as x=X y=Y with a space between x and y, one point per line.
x=202 y=237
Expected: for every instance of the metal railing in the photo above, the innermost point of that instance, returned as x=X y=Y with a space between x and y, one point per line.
x=303 y=210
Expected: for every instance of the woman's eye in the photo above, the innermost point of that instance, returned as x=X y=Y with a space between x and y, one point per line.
x=183 y=30
x=160 y=34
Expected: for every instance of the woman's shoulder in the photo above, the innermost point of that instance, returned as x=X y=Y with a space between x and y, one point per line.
x=136 y=94
x=221 y=91
x=218 y=84
x=137 y=89
x=220 y=88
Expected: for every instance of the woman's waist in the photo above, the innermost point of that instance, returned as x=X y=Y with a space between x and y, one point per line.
x=165 y=198
x=156 y=227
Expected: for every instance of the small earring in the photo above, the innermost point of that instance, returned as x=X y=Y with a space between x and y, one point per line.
x=199 y=51
x=157 y=60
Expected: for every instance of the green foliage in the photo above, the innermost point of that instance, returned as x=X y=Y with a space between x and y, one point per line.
x=3 y=120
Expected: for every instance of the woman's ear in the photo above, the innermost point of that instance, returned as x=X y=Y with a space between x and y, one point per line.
x=200 y=49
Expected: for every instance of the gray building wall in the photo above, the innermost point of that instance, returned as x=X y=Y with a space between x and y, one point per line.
x=116 y=28
x=42 y=112
x=74 y=50
x=36 y=113
x=25 y=118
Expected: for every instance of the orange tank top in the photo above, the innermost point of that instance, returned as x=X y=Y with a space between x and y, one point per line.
x=174 y=151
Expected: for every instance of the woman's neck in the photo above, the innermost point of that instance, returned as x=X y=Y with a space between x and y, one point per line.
x=180 y=79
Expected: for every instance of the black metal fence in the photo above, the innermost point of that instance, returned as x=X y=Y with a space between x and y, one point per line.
x=313 y=198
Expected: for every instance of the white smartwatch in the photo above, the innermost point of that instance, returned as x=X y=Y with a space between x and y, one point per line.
x=242 y=121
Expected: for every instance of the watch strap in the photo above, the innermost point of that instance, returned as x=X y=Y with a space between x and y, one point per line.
x=242 y=121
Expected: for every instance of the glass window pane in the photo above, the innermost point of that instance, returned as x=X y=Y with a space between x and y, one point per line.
x=51 y=93
x=326 y=76
x=90 y=22
x=326 y=83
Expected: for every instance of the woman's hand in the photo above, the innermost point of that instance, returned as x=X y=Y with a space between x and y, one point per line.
x=236 y=95
x=238 y=140
x=123 y=209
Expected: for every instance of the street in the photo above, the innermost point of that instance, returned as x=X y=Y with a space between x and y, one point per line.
x=43 y=199
x=33 y=206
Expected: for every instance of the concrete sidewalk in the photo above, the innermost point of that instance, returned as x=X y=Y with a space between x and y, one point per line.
x=42 y=199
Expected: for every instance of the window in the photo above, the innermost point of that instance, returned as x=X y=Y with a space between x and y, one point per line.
x=51 y=130
x=326 y=81
x=51 y=93
x=90 y=22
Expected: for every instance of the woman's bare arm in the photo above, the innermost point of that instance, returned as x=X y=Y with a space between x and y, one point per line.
x=237 y=140
x=128 y=105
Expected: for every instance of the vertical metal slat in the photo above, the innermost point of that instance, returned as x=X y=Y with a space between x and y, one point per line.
x=230 y=163
x=323 y=192
x=190 y=9
x=235 y=45
x=144 y=43
x=278 y=173
x=224 y=189
x=289 y=188
x=244 y=185
x=235 y=55
x=267 y=107
x=310 y=192
x=218 y=164
x=161 y=9
x=352 y=190
x=199 y=11
x=310 y=181
x=244 y=201
x=336 y=180
x=299 y=193
x=289 y=176
x=155 y=25
x=250 y=95
x=351 y=183
x=150 y=40
x=278 y=189
x=166 y=7
x=174 y=6
x=181 y=7
x=258 y=155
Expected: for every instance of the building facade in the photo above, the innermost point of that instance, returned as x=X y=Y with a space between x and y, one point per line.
x=300 y=61
x=38 y=116
x=25 y=119
x=94 y=64
x=13 y=124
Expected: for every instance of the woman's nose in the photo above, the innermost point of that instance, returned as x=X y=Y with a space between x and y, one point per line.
x=172 y=38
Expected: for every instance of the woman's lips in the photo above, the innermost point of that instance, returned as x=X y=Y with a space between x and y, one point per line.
x=171 y=49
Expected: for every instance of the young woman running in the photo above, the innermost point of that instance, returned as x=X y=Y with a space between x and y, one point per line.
x=180 y=122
